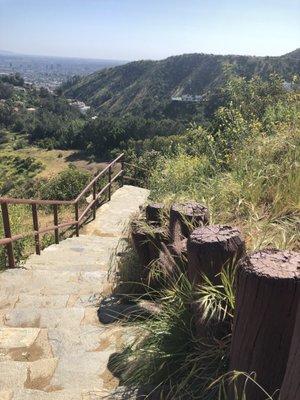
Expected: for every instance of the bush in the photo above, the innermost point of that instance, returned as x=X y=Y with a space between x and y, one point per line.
x=66 y=185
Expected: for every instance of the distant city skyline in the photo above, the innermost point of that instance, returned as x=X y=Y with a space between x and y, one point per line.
x=141 y=29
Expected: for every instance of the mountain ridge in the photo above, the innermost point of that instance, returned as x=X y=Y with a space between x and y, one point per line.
x=145 y=87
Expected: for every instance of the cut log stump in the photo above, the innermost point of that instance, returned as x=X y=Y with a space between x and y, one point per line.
x=154 y=213
x=266 y=304
x=184 y=217
x=290 y=389
x=210 y=248
x=147 y=243
x=172 y=260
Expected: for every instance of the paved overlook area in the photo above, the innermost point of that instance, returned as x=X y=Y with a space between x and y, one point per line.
x=52 y=345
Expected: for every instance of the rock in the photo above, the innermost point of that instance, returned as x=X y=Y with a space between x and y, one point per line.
x=113 y=309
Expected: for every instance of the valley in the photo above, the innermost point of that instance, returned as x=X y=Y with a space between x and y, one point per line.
x=226 y=146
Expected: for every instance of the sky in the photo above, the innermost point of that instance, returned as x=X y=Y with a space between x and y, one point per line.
x=149 y=29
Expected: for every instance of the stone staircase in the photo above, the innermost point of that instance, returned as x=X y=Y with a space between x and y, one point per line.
x=52 y=345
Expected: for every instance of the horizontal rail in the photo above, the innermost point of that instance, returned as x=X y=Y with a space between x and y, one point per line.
x=9 y=200
x=97 y=177
x=14 y=238
x=92 y=203
x=9 y=238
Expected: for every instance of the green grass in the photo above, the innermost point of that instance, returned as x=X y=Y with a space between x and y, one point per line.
x=259 y=193
x=168 y=356
x=246 y=171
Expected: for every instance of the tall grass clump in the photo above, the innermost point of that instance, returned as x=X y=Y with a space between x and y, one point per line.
x=167 y=357
x=247 y=168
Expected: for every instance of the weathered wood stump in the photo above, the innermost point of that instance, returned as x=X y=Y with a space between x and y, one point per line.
x=184 y=217
x=290 y=389
x=147 y=243
x=154 y=213
x=266 y=303
x=210 y=248
x=172 y=259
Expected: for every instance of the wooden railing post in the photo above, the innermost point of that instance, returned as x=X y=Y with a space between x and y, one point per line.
x=7 y=233
x=109 y=181
x=55 y=215
x=77 y=218
x=123 y=170
x=35 y=203
x=36 y=229
x=94 y=198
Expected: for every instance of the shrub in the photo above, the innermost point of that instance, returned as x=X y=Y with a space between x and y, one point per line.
x=66 y=185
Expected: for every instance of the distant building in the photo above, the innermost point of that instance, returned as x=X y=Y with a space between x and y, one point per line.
x=31 y=109
x=290 y=86
x=80 y=105
x=19 y=89
x=195 y=98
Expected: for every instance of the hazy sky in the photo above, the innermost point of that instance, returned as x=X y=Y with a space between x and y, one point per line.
x=138 y=29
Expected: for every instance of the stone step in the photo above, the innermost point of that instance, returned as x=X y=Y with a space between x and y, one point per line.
x=30 y=375
x=52 y=345
x=85 y=338
x=83 y=244
x=67 y=266
x=44 y=317
x=28 y=394
x=24 y=344
x=48 y=282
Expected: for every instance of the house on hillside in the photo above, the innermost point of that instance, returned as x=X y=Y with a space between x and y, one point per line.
x=194 y=98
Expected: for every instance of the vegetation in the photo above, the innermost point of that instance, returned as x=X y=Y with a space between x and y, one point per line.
x=245 y=168
x=145 y=88
x=66 y=185
x=237 y=152
x=167 y=355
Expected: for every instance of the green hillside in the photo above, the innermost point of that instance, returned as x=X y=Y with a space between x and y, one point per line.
x=146 y=87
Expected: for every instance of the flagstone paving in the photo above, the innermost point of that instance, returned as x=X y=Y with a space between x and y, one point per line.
x=52 y=345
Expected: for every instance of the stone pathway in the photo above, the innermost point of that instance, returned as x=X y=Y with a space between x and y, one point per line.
x=52 y=345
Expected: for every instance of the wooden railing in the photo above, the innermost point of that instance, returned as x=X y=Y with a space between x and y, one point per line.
x=79 y=215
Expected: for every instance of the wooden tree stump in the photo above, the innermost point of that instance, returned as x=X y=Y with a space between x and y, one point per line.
x=147 y=243
x=154 y=213
x=211 y=247
x=184 y=217
x=290 y=389
x=172 y=260
x=266 y=303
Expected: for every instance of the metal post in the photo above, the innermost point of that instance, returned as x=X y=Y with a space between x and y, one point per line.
x=55 y=215
x=94 y=198
x=123 y=170
x=7 y=232
x=109 y=180
x=77 y=218
x=36 y=229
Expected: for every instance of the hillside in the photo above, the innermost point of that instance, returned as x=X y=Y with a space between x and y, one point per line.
x=146 y=87
x=293 y=54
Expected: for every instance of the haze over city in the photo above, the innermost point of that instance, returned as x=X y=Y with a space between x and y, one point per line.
x=134 y=29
